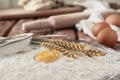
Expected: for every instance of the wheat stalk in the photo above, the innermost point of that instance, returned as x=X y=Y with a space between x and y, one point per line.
x=61 y=49
x=78 y=47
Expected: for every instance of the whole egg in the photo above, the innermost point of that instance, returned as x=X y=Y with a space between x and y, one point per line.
x=113 y=19
x=99 y=26
x=107 y=37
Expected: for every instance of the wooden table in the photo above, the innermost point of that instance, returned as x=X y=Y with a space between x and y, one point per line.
x=72 y=33
x=10 y=27
x=12 y=19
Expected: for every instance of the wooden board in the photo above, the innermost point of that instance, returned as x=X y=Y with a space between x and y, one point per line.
x=5 y=27
x=18 y=13
x=70 y=34
x=17 y=28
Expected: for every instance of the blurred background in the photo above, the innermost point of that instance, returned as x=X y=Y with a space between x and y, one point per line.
x=13 y=3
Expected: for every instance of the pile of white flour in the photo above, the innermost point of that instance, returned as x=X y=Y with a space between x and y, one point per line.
x=23 y=67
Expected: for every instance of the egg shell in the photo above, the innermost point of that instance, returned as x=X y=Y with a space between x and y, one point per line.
x=98 y=27
x=107 y=37
x=113 y=19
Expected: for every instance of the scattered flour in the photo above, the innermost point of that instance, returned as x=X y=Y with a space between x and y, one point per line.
x=23 y=67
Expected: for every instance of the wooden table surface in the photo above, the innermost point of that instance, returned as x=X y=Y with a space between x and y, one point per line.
x=11 y=27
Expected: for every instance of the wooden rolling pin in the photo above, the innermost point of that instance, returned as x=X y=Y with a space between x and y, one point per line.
x=18 y=13
x=60 y=21
x=37 y=25
x=57 y=22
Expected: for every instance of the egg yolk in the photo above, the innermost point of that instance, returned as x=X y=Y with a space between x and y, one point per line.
x=47 y=56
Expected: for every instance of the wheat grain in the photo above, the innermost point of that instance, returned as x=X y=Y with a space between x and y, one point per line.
x=78 y=47
x=61 y=49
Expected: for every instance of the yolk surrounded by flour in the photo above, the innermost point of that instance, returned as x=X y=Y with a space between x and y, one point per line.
x=47 y=56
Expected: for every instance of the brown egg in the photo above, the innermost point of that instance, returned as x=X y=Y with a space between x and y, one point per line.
x=99 y=26
x=113 y=19
x=107 y=37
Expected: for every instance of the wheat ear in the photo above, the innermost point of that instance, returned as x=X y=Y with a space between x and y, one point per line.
x=78 y=47
x=61 y=49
